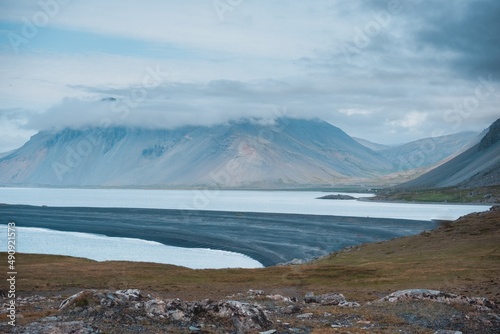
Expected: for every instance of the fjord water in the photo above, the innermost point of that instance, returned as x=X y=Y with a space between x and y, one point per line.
x=218 y=228
x=294 y=202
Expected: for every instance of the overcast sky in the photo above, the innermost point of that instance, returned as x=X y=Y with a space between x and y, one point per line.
x=388 y=71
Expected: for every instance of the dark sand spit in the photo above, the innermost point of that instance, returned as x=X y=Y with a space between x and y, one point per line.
x=268 y=238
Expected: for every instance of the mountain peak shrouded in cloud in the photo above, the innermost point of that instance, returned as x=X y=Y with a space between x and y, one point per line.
x=259 y=153
x=387 y=71
x=166 y=108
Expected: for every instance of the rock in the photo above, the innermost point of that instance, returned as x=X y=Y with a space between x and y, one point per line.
x=310 y=298
x=481 y=304
x=79 y=298
x=279 y=298
x=178 y=315
x=331 y=299
x=254 y=293
x=109 y=314
x=292 y=309
x=107 y=301
x=130 y=311
x=130 y=294
x=305 y=316
x=176 y=304
x=154 y=307
x=419 y=294
x=79 y=327
x=246 y=316
x=342 y=323
x=341 y=197
x=349 y=304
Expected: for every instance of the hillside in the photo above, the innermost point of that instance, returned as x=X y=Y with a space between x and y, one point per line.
x=289 y=152
x=490 y=175
x=371 y=145
x=459 y=258
x=478 y=166
x=428 y=151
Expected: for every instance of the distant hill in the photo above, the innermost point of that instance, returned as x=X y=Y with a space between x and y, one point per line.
x=477 y=166
x=287 y=153
x=429 y=151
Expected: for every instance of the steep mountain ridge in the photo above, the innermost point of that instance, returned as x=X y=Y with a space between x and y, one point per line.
x=248 y=153
x=477 y=166
x=492 y=137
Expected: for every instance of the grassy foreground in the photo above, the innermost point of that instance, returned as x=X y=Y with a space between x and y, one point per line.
x=461 y=257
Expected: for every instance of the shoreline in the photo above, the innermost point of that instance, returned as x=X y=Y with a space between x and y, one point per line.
x=267 y=238
x=374 y=200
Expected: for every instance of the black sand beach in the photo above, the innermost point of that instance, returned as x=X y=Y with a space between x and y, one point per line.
x=268 y=238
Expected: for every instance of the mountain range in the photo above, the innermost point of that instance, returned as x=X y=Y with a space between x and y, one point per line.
x=245 y=153
x=476 y=167
x=429 y=151
x=248 y=153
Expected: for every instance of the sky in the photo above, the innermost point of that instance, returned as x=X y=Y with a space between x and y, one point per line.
x=389 y=71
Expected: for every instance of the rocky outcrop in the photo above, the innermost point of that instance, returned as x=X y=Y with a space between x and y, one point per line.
x=135 y=311
x=492 y=137
x=332 y=299
x=480 y=303
x=341 y=197
x=131 y=306
x=53 y=325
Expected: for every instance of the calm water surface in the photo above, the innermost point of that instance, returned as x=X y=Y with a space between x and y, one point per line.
x=297 y=202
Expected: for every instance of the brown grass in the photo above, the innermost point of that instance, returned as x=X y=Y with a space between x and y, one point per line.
x=463 y=257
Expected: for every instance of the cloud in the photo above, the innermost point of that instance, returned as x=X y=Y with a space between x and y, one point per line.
x=354 y=111
x=12 y=122
x=260 y=59
x=411 y=120
x=470 y=36
x=259 y=28
x=173 y=104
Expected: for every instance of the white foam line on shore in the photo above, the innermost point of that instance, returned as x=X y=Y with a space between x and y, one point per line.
x=104 y=248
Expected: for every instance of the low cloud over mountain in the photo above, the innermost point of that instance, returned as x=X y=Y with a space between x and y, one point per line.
x=249 y=153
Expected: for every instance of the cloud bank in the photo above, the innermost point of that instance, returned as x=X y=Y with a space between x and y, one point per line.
x=388 y=71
